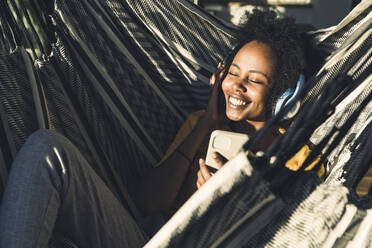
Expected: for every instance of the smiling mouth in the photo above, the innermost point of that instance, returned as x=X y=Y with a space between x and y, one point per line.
x=237 y=102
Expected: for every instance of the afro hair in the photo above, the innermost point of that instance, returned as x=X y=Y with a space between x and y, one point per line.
x=283 y=35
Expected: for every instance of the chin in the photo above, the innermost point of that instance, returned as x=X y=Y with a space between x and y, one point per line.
x=234 y=116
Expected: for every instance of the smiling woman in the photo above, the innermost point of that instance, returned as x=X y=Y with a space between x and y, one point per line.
x=266 y=61
x=248 y=83
x=53 y=189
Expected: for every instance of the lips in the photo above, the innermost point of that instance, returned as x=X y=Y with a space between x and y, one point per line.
x=237 y=101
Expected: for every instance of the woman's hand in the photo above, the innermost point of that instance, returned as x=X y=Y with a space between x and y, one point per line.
x=214 y=112
x=204 y=174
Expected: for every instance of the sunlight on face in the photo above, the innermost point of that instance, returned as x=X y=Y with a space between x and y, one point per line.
x=249 y=81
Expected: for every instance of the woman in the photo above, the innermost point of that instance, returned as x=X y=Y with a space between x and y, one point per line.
x=268 y=60
x=52 y=189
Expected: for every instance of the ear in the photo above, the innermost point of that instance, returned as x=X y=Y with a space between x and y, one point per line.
x=287 y=97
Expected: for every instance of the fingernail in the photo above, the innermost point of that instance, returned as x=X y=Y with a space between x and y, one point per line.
x=214 y=155
x=200 y=160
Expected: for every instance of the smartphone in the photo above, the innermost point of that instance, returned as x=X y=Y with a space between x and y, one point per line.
x=227 y=143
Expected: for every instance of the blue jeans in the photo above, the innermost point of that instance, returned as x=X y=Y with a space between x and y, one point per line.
x=52 y=190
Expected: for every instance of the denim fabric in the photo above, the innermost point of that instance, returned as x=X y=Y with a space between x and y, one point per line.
x=53 y=190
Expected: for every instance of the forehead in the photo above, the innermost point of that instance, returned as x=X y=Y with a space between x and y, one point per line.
x=256 y=55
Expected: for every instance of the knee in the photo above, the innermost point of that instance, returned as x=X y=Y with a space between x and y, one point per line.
x=44 y=137
x=44 y=155
x=43 y=143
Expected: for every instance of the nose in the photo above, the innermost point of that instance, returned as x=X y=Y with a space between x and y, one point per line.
x=239 y=85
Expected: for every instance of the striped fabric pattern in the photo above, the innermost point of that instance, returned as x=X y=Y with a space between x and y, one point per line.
x=233 y=191
x=16 y=97
x=122 y=76
x=315 y=217
x=355 y=49
x=117 y=88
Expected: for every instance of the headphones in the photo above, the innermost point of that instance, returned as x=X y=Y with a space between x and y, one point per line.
x=286 y=98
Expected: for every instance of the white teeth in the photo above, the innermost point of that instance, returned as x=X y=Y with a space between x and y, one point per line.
x=236 y=101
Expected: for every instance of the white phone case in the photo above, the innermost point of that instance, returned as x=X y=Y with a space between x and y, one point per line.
x=227 y=143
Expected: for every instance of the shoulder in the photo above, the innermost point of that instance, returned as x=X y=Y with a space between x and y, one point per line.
x=186 y=128
x=194 y=117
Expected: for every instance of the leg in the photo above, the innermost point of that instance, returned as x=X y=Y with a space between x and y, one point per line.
x=51 y=188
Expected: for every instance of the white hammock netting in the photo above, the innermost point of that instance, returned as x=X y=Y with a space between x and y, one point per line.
x=121 y=76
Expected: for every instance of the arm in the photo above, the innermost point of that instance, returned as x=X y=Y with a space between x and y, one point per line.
x=157 y=189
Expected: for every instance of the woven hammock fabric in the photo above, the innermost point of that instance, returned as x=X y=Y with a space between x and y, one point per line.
x=18 y=97
x=122 y=76
x=337 y=43
x=356 y=63
x=115 y=89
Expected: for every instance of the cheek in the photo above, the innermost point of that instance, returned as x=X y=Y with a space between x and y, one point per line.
x=226 y=85
x=258 y=95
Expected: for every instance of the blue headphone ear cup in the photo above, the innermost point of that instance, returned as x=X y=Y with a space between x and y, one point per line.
x=283 y=99
x=287 y=97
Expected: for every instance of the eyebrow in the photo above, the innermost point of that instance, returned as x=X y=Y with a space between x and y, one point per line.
x=259 y=72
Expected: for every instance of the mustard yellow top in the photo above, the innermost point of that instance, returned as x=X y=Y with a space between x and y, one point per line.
x=189 y=186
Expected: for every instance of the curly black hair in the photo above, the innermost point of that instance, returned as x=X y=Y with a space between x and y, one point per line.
x=283 y=35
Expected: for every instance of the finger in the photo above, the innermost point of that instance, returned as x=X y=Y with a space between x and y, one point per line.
x=204 y=170
x=220 y=160
x=217 y=75
x=212 y=80
x=221 y=72
x=200 y=181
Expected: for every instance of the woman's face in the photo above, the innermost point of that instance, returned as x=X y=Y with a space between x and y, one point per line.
x=249 y=81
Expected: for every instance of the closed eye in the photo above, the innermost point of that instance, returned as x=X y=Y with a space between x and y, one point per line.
x=255 y=82
x=233 y=74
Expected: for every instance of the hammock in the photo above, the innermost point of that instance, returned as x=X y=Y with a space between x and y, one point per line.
x=118 y=77
x=101 y=97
